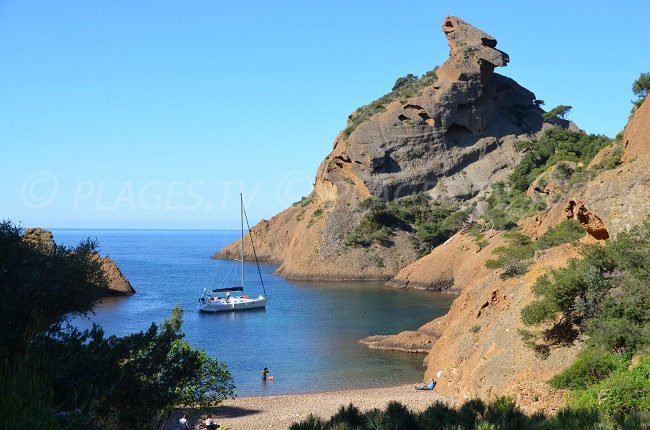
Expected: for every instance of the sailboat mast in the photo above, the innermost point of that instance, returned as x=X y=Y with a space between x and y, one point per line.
x=241 y=217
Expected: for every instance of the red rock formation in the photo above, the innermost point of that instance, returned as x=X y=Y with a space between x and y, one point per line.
x=589 y=221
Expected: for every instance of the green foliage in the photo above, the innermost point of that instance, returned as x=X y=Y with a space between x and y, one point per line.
x=348 y=417
x=40 y=289
x=514 y=257
x=506 y=207
x=315 y=217
x=560 y=111
x=139 y=376
x=66 y=378
x=640 y=88
x=607 y=292
x=537 y=312
x=565 y=232
x=619 y=394
x=501 y=414
x=429 y=223
x=404 y=88
x=605 y=297
x=312 y=422
x=589 y=368
x=555 y=145
x=305 y=200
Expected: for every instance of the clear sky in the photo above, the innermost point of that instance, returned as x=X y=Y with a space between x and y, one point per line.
x=155 y=114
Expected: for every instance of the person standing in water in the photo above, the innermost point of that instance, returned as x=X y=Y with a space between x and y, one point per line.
x=264 y=372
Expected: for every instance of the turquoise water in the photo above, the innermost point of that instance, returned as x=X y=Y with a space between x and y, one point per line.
x=307 y=336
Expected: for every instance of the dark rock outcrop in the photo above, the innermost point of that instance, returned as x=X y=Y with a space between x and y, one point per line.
x=43 y=241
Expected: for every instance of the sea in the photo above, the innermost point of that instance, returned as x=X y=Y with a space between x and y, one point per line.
x=307 y=336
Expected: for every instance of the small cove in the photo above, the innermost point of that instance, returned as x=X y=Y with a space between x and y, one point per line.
x=307 y=337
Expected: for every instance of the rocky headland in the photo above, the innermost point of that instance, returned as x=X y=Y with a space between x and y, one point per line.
x=43 y=241
x=450 y=134
x=454 y=137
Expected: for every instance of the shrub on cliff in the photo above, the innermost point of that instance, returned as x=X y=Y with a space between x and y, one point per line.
x=555 y=145
x=605 y=298
x=514 y=257
x=560 y=111
x=640 y=88
x=428 y=223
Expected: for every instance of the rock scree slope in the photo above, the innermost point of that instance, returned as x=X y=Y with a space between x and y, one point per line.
x=452 y=140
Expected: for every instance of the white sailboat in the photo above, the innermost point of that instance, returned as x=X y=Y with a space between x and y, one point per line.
x=220 y=299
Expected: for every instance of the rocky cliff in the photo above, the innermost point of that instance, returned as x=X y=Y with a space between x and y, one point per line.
x=43 y=241
x=477 y=345
x=451 y=135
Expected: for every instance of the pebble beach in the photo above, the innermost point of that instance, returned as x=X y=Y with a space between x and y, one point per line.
x=279 y=412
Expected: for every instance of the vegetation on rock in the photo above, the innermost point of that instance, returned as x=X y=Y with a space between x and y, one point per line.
x=554 y=146
x=604 y=298
x=515 y=258
x=429 y=223
x=557 y=147
x=405 y=87
x=560 y=112
x=640 y=88
x=63 y=378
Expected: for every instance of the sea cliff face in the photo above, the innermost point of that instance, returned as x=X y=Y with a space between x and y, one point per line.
x=43 y=241
x=452 y=139
x=477 y=344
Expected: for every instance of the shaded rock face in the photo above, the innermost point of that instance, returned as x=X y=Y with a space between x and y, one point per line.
x=43 y=241
x=118 y=285
x=467 y=114
x=40 y=240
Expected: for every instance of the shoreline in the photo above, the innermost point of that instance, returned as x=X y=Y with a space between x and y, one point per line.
x=280 y=411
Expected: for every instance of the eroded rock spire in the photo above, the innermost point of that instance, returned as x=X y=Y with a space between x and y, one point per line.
x=471 y=51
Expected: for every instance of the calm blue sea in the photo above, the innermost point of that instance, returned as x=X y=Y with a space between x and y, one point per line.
x=307 y=336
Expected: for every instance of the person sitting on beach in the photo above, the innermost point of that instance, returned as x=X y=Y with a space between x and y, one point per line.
x=183 y=424
x=429 y=386
x=211 y=424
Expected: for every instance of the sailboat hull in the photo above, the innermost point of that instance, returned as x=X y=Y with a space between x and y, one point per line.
x=231 y=305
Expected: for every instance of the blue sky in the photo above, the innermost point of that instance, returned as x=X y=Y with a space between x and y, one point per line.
x=155 y=114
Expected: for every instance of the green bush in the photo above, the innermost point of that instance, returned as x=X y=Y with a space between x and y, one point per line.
x=641 y=87
x=560 y=111
x=589 y=368
x=501 y=414
x=565 y=232
x=514 y=258
x=555 y=145
x=621 y=393
x=305 y=200
x=604 y=297
x=428 y=223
